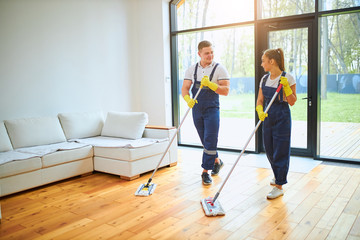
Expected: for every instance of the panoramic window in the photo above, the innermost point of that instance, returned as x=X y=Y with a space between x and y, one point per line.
x=204 y=13
x=326 y=117
x=336 y=4
x=281 y=8
x=340 y=86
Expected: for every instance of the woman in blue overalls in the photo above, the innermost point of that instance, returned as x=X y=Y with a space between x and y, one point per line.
x=277 y=125
x=206 y=115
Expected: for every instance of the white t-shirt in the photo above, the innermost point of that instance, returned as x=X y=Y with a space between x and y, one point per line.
x=274 y=82
x=219 y=74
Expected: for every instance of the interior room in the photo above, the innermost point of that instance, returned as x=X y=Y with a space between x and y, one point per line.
x=92 y=112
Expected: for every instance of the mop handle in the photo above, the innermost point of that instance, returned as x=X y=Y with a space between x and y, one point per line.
x=181 y=123
x=248 y=141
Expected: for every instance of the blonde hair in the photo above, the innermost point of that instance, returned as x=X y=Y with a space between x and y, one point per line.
x=203 y=44
x=277 y=55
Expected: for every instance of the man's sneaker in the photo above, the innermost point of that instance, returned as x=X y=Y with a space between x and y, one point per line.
x=206 y=179
x=217 y=167
x=275 y=193
x=272 y=182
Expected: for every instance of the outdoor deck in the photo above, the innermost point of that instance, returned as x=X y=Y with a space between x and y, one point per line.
x=341 y=140
x=338 y=140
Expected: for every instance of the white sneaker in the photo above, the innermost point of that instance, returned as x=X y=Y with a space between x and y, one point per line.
x=272 y=182
x=275 y=193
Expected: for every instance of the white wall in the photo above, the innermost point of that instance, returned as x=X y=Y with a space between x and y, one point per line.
x=84 y=55
x=152 y=89
x=63 y=56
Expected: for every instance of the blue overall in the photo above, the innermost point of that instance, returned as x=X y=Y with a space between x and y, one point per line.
x=206 y=116
x=277 y=132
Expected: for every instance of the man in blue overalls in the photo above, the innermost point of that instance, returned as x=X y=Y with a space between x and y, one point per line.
x=206 y=114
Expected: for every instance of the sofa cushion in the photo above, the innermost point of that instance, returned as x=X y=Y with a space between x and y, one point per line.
x=65 y=156
x=5 y=144
x=129 y=125
x=81 y=125
x=131 y=154
x=19 y=167
x=29 y=132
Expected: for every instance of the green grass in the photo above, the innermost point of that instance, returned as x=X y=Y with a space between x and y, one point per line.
x=336 y=108
x=341 y=108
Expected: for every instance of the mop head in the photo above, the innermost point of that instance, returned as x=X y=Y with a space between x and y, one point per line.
x=212 y=209
x=145 y=189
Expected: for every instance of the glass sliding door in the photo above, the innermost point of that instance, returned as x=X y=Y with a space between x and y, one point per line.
x=294 y=40
x=340 y=87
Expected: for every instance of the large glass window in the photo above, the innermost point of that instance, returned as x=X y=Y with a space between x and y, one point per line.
x=340 y=86
x=234 y=49
x=336 y=4
x=322 y=51
x=203 y=13
x=281 y=8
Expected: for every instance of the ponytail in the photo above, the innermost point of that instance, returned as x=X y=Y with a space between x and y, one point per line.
x=278 y=55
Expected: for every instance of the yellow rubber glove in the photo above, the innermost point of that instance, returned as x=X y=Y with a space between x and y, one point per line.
x=260 y=111
x=190 y=102
x=206 y=82
x=285 y=83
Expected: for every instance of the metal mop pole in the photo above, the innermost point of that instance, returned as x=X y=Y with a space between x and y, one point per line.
x=177 y=131
x=247 y=143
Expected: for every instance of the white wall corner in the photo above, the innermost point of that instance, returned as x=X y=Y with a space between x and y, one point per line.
x=152 y=65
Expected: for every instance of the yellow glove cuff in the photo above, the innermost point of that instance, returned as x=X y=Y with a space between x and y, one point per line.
x=187 y=98
x=204 y=81
x=288 y=91
x=261 y=114
x=213 y=86
x=259 y=108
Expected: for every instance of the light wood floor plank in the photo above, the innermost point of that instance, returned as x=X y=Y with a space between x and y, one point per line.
x=355 y=230
x=328 y=220
x=321 y=204
x=57 y=233
x=353 y=206
x=282 y=231
x=273 y=220
x=307 y=224
x=342 y=227
x=154 y=228
x=318 y=234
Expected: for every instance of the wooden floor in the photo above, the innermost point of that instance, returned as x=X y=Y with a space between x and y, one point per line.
x=321 y=204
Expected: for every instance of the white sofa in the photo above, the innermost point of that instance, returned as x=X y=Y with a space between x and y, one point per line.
x=38 y=151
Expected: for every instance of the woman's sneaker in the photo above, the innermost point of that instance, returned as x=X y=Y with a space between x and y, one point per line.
x=272 y=182
x=275 y=193
x=217 y=167
x=206 y=179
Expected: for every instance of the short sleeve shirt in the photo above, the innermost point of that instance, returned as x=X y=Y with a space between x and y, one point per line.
x=274 y=82
x=219 y=74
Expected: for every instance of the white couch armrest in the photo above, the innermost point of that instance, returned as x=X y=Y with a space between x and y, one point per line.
x=159 y=132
